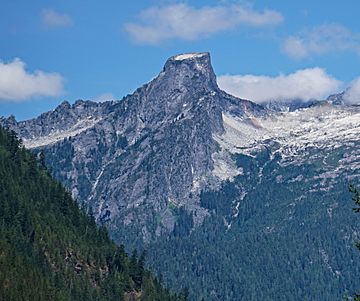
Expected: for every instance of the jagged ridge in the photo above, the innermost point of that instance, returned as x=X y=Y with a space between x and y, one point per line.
x=147 y=154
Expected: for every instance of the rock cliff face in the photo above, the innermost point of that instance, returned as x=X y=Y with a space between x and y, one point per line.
x=135 y=162
x=273 y=182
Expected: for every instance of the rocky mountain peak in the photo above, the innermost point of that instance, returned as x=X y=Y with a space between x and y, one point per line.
x=186 y=89
x=185 y=69
x=336 y=99
x=65 y=105
x=148 y=154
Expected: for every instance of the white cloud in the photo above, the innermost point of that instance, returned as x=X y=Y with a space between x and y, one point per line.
x=16 y=84
x=306 y=84
x=295 y=47
x=352 y=94
x=322 y=39
x=53 y=18
x=185 y=22
x=104 y=97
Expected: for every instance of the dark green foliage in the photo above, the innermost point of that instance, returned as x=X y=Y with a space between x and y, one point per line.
x=284 y=240
x=184 y=223
x=137 y=268
x=50 y=249
x=356 y=199
x=220 y=201
x=122 y=142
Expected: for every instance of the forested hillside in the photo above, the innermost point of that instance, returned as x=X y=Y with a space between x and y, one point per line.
x=281 y=241
x=234 y=200
x=50 y=249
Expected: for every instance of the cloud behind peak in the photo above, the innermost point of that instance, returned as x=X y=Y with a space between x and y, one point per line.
x=305 y=84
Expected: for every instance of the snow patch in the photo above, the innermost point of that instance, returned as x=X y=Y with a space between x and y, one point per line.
x=76 y=129
x=295 y=136
x=236 y=210
x=315 y=127
x=187 y=56
x=224 y=167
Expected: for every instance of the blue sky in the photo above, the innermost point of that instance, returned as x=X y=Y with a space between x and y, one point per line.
x=56 y=50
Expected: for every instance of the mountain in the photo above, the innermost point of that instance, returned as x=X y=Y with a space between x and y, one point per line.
x=50 y=249
x=283 y=228
x=336 y=99
x=292 y=105
x=288 y=105
x=135 y=161
x=235 y=200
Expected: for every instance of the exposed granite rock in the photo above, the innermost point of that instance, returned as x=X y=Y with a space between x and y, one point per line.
x=136 y=160
x=336 y=99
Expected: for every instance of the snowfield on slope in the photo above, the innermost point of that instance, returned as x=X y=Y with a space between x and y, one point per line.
x=79 y=127
x=311 y=135
x=323 y=126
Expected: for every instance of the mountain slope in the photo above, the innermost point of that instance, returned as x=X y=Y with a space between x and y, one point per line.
x=136 y=160
x=274 y=233
x=234 y=200
x=50 y=249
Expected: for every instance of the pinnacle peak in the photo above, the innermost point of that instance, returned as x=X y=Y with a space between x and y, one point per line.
x=190 y=56
x=199 y=58
x=188 y=66
x=65 y=103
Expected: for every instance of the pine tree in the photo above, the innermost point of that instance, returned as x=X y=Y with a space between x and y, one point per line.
x=49 y=248
x=356 y=199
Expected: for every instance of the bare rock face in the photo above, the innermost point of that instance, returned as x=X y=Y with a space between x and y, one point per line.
x=153 y=165
x=135 y=162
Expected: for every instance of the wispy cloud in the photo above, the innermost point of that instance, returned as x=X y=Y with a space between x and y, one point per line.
x=16 y=84
x=322 y=39
x=104 y=97
x=181 y=21
x=352 y=94
x=53 y=18
x=305 y=84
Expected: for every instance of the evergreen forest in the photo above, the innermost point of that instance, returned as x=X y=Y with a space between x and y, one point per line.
x=50 y=249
